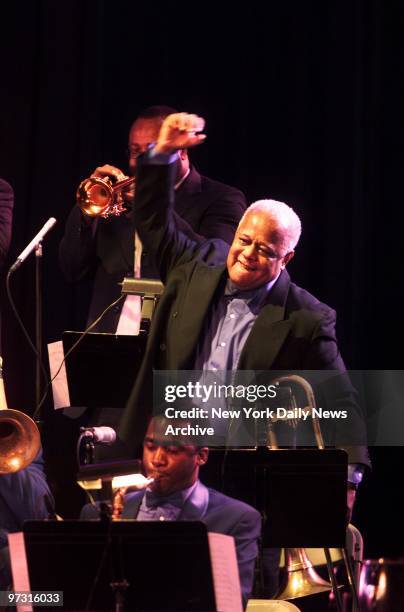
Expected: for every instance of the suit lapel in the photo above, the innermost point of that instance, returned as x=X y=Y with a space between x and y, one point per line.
x=194 y=508
x=196 y=306
x=132 y=505
x=269 y=331
x=196 y=505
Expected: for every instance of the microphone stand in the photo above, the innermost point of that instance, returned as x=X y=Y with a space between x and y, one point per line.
x=38 y=325
x=34 y=245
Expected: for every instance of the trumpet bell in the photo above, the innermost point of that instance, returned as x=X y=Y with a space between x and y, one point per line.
x=99 y=197
x=19 y=441
x=302 y=579
x=94 y=196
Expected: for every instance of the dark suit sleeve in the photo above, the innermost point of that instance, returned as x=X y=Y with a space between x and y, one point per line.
x=77 y=250
x=337 y=392
x=24 y=495
x=246 y=533
x=6 y=216
x=154 y=221
x=221 y=217
x=90 y=512
x=323 y=353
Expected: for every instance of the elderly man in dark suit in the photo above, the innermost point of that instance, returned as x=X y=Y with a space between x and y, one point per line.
x=104 y=251
x=225 y=309
x=229 y=310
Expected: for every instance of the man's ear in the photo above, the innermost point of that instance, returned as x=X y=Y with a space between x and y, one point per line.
x=183 y=153
x=203 y=454
x=287 y=259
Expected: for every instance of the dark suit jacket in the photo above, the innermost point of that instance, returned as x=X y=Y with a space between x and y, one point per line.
x=293 y=331
x=101 y=251
x=6 y=218
x=223 y=515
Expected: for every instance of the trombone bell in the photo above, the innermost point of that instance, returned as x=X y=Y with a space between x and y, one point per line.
x=302 y=579
x=19 y=441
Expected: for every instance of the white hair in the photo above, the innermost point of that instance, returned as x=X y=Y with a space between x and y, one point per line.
x=285 y=217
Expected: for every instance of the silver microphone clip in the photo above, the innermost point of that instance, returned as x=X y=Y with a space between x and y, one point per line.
x=100 y=435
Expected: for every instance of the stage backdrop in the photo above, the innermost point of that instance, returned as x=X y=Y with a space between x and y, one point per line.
x=303 y=102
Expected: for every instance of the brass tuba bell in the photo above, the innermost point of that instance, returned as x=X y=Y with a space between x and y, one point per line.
x=100 y=197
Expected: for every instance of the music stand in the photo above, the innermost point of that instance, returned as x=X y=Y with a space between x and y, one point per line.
x=166 y=564
x=300 y=492
x=101 y=372
x=102 y=368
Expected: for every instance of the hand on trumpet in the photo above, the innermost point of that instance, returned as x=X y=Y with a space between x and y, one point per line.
x=116 y=175
x=180 y=131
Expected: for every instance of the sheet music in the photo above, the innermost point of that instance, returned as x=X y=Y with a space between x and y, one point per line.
x=226 y=580
x=60 y=389
x=131 y=314
x=19 y=567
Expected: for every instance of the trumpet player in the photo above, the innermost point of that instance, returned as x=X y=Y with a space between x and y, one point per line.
x=105 y=250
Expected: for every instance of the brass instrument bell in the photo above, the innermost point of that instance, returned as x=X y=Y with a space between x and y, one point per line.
x=19 y=441
x=100 y=197
x=302 y=579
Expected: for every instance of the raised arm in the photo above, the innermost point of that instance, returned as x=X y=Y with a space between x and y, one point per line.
x=153 y=212
x=222 y=215
x=154 y=219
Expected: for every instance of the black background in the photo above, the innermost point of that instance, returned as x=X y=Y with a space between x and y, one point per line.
x=303 y=103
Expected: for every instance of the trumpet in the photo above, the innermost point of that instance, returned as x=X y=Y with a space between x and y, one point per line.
x=100 y=197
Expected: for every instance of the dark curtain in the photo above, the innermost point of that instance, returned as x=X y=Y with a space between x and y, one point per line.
x=303 y=103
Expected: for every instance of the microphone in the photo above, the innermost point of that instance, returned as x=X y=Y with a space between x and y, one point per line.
x=33 y=244
x=100 y=435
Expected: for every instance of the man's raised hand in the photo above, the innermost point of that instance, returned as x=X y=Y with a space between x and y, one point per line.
x=180 y=131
